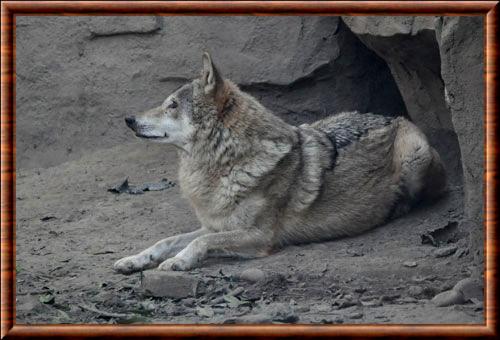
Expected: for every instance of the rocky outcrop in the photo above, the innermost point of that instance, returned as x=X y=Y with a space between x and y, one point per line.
x=410 y=48
x=77 y=77
x=461 y=48
x=437 y=63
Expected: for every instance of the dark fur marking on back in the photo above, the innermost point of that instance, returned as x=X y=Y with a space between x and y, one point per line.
x=350 y=130
x=333 y=157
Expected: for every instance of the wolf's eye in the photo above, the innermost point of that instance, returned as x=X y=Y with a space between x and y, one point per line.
x=172 y=105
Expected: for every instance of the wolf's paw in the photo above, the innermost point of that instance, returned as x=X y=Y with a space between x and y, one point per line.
x=174 y=263
x=129 y=265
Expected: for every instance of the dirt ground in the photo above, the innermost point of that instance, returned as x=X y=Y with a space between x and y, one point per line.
x=70 y=230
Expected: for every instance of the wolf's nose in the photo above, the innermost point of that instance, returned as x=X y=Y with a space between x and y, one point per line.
x=130 y=121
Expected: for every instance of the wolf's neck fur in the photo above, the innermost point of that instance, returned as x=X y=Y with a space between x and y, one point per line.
x=225 y=139
x=233 y=149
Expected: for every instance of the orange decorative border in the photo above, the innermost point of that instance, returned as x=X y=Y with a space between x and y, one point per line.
x=10 y=9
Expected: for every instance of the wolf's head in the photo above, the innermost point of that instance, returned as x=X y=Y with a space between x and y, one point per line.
x=177 y=119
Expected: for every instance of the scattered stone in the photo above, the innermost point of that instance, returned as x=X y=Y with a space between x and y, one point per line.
x=120 y=187
x=189 y=302
x=252 y=275
x=124 y=187
x=445 y=286
x=445 y=251
x=443 y=235
x=206 y=311
x=233 y=302
x=355 y=315
x=109 y=299
x=389 y=298
x=345 y=302
x=461 y=252
x=48 y=299
x=322 y=307
x=302 y=309
x=175 y=285
x=470 y=288
x=237 y=291
x=421 y=279
x=371 y=303
x=180 y=310
x=252 y=294
x=408 y=299
x=47 y=218
x=282 y=312
x=477 y=304
x=329 y=321
x=448 y=298
x=410 y=264
x=250 y=319
x=428 y=292
x=415 y=291
x=326 y=321
x=355 y=252
x=147 y=306
x=360 y=290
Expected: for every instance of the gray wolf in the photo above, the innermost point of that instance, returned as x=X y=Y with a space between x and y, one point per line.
x=258 y=184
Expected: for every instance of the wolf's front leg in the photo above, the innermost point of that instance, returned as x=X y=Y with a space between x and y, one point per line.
x=237 y=243
x=154 y=255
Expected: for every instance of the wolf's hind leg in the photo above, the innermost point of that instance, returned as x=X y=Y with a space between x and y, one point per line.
x=237 y=243
x=154 y=255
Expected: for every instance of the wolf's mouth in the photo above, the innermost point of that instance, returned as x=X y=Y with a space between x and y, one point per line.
x=140 y=135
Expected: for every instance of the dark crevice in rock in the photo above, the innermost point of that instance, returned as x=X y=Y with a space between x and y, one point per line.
x=121 y=28
x=415 y=64
x=121 y=33
x=375 y=90
x=322 y=72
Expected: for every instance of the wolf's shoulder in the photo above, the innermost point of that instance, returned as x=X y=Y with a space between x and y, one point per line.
x=347 y=127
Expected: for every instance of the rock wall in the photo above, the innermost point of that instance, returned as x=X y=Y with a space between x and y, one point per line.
x=461 y=45
x=77 y=77
x=437 y=63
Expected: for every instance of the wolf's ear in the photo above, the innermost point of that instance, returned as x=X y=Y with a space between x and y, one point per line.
x=210 y=77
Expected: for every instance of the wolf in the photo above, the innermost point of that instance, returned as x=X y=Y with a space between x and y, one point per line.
x=257 y=184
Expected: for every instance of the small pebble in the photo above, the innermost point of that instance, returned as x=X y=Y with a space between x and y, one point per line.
x=448 y=298
x=445 y=251
x=355 y=315
x=252 y=275
x=323 y=307
x=415 y=291
x=237 y=291
x=302 y=309
x=410 y=264
x=470 y=288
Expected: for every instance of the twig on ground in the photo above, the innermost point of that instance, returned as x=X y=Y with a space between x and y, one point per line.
x=103 y=313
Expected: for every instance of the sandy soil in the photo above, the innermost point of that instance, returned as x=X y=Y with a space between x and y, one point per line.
x=70 y=231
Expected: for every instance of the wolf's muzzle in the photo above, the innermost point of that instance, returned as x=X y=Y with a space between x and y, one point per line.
x=131 y=123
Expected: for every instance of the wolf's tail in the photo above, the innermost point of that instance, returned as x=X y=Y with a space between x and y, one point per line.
x=435 y=178
x=419 y=170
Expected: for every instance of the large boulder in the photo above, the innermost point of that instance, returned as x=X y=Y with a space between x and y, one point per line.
x=437 y=63
x=77 y=77
x=410 y=48
x=461 y=48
